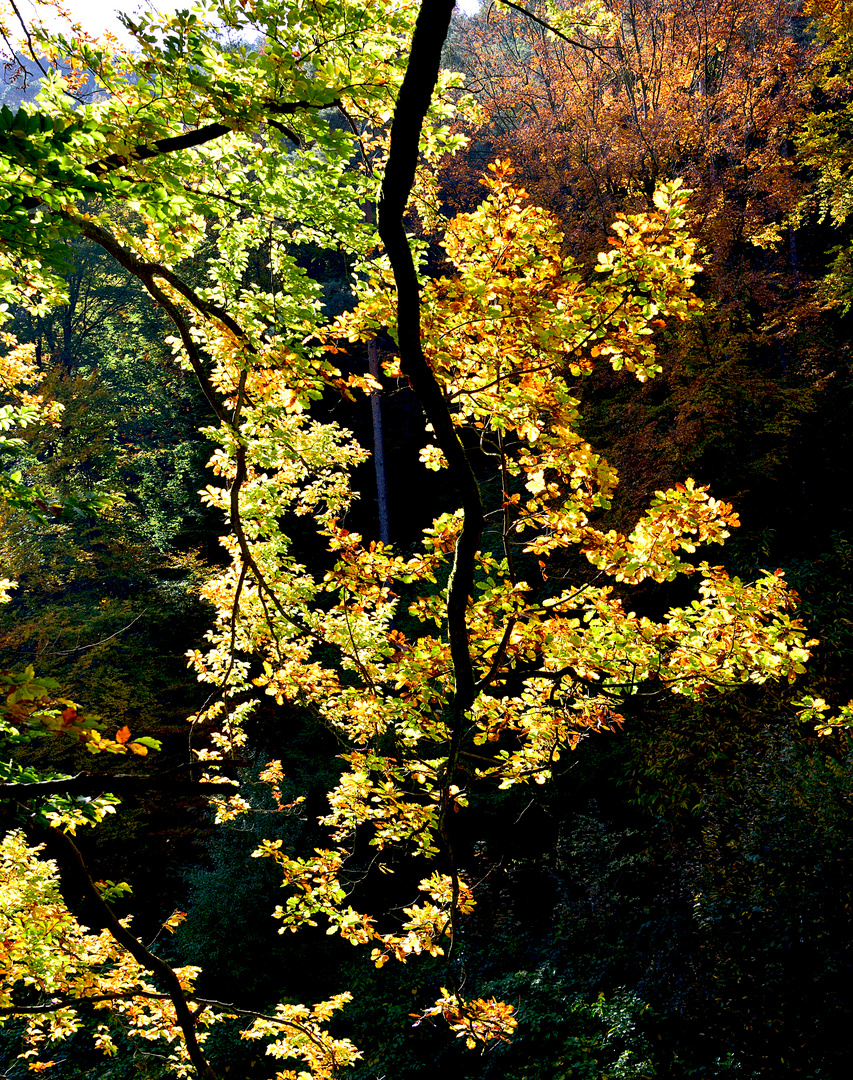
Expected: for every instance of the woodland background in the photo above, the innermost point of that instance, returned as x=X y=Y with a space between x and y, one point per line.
x=677 y=901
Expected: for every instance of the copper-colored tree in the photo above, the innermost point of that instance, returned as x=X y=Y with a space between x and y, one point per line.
x=617 y=97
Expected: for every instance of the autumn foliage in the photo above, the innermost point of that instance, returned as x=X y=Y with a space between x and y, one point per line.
x=601 y=102
x=513 y=629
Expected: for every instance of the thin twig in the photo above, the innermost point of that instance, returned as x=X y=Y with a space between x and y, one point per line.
x=95 y=644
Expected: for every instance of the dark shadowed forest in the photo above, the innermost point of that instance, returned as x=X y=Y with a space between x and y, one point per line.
x=426 y=525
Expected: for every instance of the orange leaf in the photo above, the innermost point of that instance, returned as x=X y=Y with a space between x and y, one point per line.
x=123 y=734
x=138 y=748
x=174 y=921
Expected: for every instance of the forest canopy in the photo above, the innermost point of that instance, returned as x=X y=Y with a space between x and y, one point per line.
x=377 y=380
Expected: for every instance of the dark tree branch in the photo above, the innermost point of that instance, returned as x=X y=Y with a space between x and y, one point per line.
x=92 y=784
x=551 y=29
x=132 y=995
x=143 y=270
x=146 y=273
x=30 y=44
x=71 y=856
x=499 y=656
x=187 y=140
x=410 y=112
x=412 y=105
x=171 y=145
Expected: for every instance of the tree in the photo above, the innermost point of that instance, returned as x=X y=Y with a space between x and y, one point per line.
x=603 y=101
x=195 y=156
x=823 y=143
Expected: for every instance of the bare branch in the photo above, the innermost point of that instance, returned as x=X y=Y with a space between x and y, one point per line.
x=547 y=26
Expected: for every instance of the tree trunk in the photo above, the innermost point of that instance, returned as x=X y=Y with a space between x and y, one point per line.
x=378 y=446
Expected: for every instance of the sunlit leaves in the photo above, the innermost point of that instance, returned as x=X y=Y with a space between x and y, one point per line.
x=31 y=707
x=703 y=89
x=47 y=953
x=477 y=1020
x=824 y=141
x=207 y=160
x=826 y=721
x=506 y=330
